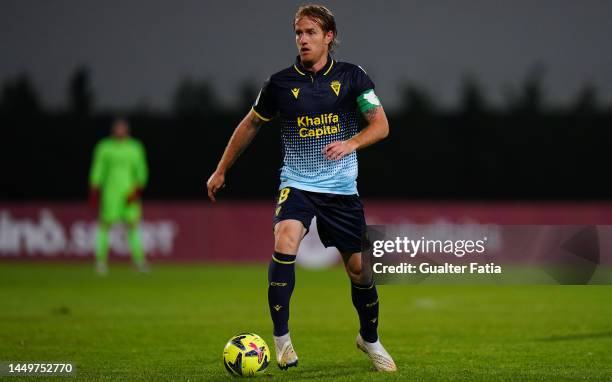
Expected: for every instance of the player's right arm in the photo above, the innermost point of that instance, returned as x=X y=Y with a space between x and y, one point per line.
x=96 y=175
x=141 y=173
x=98 y=166
x=240 y=140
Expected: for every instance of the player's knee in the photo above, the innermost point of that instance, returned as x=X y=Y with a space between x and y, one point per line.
x=286 y=239
x=355 y=275
x=286 y=243
x=353 y=269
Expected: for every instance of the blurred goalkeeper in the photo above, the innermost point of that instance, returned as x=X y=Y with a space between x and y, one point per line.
x=117 y=178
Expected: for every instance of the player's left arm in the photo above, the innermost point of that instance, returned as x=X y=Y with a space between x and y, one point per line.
x=377 y=129
x=141 y=172
x=142 y=169
x=97 y=175
x=97 y=171
x=372 y=110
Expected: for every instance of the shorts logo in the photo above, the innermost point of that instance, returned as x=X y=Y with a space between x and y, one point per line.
x=295 y=92
x=335 y=85
x=277 y=307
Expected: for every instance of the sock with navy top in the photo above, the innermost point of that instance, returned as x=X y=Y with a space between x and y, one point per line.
x=365 y=300
x=281 y=281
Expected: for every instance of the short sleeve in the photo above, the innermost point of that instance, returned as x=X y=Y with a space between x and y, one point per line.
x=265 y=105
x=361 y=81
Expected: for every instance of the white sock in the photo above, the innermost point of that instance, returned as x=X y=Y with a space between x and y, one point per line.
x=282 y=339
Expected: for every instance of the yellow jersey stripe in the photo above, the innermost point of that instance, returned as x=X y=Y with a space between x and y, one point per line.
x=298 y=70
x=282 y=262
x=260 y=116
x=328 y=69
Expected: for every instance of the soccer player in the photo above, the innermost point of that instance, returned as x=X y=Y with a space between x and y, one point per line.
x=317 y=100
x=117 y=178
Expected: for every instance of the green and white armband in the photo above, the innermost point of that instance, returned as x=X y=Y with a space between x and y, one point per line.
x=368 y=100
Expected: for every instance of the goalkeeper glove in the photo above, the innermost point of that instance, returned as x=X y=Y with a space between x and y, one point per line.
x=135 y=195
x=94 y=199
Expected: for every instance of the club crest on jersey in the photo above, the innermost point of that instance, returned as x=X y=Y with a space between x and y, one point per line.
x=335 y=85
x=295 y=92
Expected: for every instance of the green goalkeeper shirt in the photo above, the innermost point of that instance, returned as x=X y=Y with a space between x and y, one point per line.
x=118 y=166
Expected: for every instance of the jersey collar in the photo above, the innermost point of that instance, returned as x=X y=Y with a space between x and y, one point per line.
x=325 y=70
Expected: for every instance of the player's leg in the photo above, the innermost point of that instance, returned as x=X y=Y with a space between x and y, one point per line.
x=281 y=281
x=365 y=301
x=364 y=296
x=110 y=213
x=132 y=215
x=281 y=272
x=101 y=248
x=136 y=249
x=340 y=223
x=293 y=215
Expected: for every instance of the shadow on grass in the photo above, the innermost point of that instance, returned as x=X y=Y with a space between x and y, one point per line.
x=576 y=337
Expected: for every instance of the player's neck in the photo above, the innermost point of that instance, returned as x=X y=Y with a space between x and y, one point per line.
x=317 y=66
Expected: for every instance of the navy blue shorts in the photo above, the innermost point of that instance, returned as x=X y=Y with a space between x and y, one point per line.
x=340 y=218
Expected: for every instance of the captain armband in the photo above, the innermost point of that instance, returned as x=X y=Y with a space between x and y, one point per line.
x=368 y=100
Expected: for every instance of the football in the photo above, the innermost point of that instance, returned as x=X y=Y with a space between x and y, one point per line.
x=246 y=354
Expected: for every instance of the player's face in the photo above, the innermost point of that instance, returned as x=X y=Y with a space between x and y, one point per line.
x=312 y=43
x=121 y=129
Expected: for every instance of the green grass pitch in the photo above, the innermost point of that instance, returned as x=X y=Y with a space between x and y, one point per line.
x=172 y=325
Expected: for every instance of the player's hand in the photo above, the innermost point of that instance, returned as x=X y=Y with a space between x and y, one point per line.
x=214 y=184
x=94 y=199
x=134 y=195
x=339 y=149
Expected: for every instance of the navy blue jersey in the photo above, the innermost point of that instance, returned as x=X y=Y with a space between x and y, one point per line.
x=315 y=110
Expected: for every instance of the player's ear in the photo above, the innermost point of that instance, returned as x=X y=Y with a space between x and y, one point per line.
x=329 y=37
